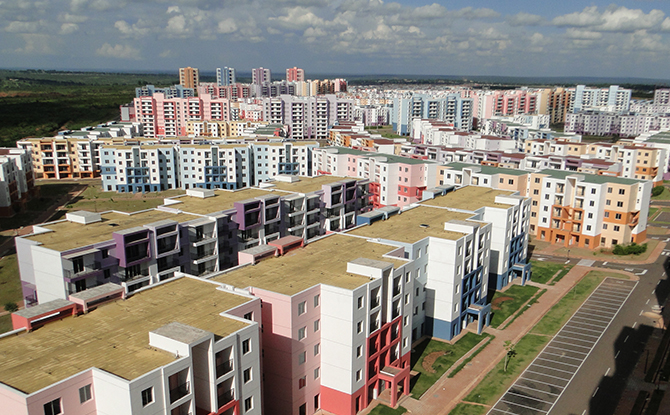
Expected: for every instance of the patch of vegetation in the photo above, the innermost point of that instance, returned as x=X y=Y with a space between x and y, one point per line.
x=561 y=274
x=663 y=194
x=656 y=191
x=468 y=409
x=632 y=249
x=10 y=282
x=496 y=382
x=11 y=307
x=541 y=272
x=532 y=301
x=449 y=354
x=468 y=360
x=6 y=323
x=385 y=410
x=518 y=295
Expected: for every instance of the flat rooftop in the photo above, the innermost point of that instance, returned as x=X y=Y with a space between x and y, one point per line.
x=409 y=225
x=69 y=235
x=309 y=184
x=222 y=200
x=320 y=262
x=469 y=198
x=115 y=337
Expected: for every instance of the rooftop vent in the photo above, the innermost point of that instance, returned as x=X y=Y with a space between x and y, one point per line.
x=201 y=193
x=83 y=217
x=423 y=225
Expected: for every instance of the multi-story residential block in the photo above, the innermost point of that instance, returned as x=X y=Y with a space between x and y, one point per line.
x=17 y=180
x=273 y=159
x=372 y=115
x=307 y=117
x=225 y=76
x=184 y=347
x=608 y=123
x=394 y=180
x=139 y=169
x=488 y=104
x=451 y=108
x=189 y=77
x=295 y=75
x=261 y=76
x=174 y=91
x=199 y=233
x=614 y=99
x=163 y=117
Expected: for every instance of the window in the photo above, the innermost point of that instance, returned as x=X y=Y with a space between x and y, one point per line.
x=617 y=216
x=592 y=203
x=317 y=372
x=302 y=357
x=359 y=351
x=358 y=375
x=147 y=396
x=302 y=308
x=246 y=375
x=248 y=404
x=502 y=180
x=359 y=327
x=360 y=302
x=317 y=325
x=316 y=300
x=537 y=180
x=249 y=316
x=84 y=393
x=604 y=226
x=405 y=320
x=619 y=204
x=301 y=333
x=608 y=202
x=510 y=181
x=317 y=349
x=622 y=191
x=609 y=190
x=616 y=228
x=246 y=346
x=590 y=215
x=607 y=214
x=52 y=408
x=302 y=382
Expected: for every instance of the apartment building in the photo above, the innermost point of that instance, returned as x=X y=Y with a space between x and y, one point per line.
x=487 y=104
x=295 y=74
x=183 y=347
x=225 y=76
x=614 y=99
x=308 y=118
x=261 y=76
x=451 y=108
x=139 y=169
x=394 y=180
x=164 y=117
x=569 y=208
x=174 y=91
x=17 y=180
x=198 y=233
x=189 y=77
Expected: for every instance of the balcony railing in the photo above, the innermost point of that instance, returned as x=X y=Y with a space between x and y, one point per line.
x=224 y=368
x=179 y=392
x=226 y=397
x=87 y=270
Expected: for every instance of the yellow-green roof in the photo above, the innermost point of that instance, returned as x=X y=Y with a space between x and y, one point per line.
x=309 y=184
x=470 y=198
x=69 y=235
x=115 y=337
x=410 y=225
x=320 y=262
x=222 y=200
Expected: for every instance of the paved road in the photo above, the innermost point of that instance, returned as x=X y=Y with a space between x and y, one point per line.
x=596 y=388
x=541 y=385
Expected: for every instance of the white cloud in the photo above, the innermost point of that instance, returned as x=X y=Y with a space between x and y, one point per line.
x=36 y=44
x=613 y=19
x=72 y=18
x=227 y=26
x=135 y=30
x=23 y=27
x=68 y=28
x=177 y=26
x=118 y=51
x=525 y=19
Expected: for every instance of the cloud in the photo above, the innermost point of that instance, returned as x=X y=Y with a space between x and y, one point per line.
x=613 y=19
x=118 y=51
x=36 y=44
x=68 y=28
x=525 y=19
x=135 y=30
x=227 y=26
x=23 y=27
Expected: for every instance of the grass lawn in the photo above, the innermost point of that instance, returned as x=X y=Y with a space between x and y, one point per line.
x=452 y=352
x=566 y=307
x=468 y=409
x=519 y=294
x=542 y=272
x=653 y=230
x=663 y=196
x=606 y=255
x=651 y=212
x=10 y=282
x=96 y=200
x=561 y=274
x=496 y=382
x=385 y=410
x=6 y=323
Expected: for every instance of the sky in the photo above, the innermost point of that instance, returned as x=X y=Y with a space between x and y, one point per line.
x=415 y=37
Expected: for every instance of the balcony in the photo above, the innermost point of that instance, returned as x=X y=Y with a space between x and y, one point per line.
x=224 y=368
x=90 y=269
x=179 y=392
x=226 y=397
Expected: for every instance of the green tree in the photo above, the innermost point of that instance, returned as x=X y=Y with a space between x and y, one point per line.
x=509 y=347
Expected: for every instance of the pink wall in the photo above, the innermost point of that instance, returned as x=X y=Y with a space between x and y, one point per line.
x=68 y=392
x=12 y=402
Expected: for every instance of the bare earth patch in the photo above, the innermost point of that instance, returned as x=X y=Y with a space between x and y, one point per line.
x=495 y=304
x=429 y=360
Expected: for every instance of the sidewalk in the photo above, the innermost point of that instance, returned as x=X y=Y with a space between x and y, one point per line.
x=448 y=392
x=551 y=250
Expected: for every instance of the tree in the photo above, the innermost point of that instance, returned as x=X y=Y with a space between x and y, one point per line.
x=11 y=307
x=509 y=347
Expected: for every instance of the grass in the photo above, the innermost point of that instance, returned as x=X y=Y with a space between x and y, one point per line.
x=5 y=323
x=468 y=360
x=652 y=210
x=519 y=294
x=496 y=382
x=542 y=272
x=468 y=409
x=663 y=196
x=385 y=410
x=560 y=313
x=532 y=301
x=49 y=195
x=94 y=199
x=424 y=380
x=606 y=254
x=10 y=282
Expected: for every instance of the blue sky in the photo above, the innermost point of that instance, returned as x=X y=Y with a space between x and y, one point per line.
x=476 y=37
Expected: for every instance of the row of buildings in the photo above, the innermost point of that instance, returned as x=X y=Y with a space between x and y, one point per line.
x=325 y=325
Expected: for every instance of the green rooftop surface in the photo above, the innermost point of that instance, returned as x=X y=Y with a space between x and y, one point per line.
x=487 y=169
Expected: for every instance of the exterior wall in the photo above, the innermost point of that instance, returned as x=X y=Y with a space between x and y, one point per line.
x=13 y=401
